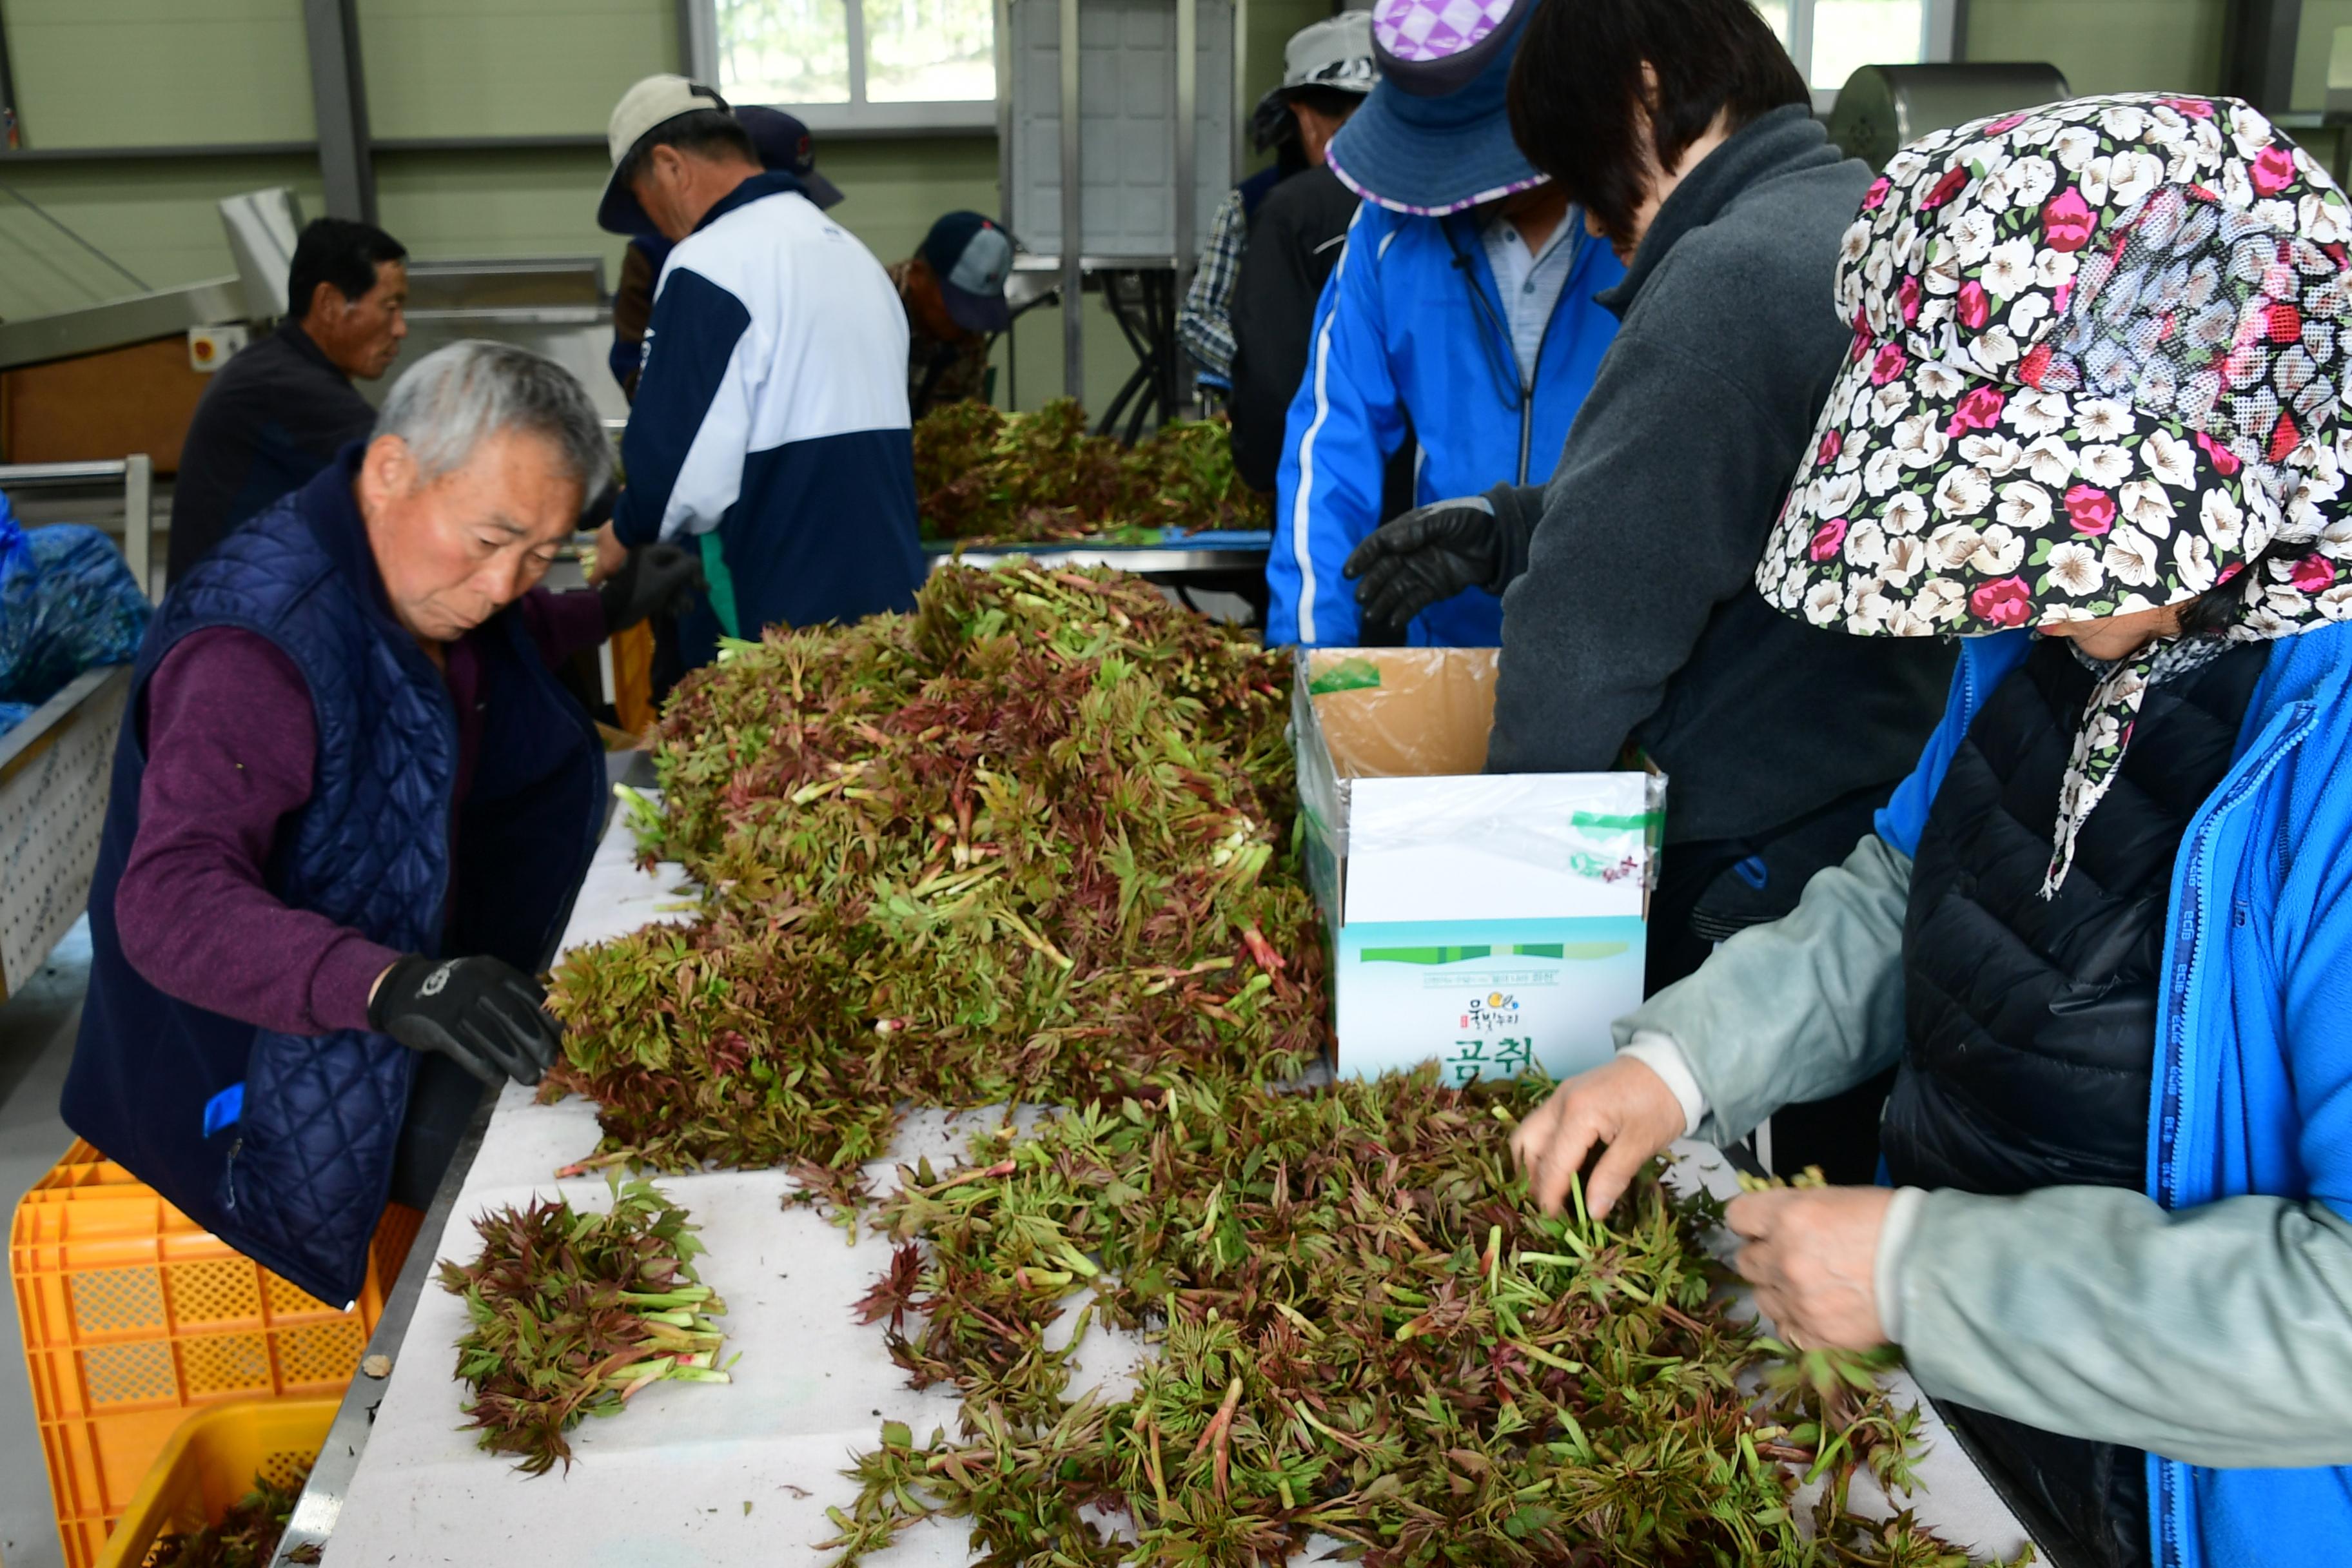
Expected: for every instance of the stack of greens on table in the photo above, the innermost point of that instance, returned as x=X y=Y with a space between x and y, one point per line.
x=573 y=1313
x=1031 y=843
x=1363 y=1331
x=1027 y=843
x=981 y=474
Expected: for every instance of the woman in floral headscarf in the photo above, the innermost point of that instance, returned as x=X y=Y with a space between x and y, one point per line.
x=2091 y=424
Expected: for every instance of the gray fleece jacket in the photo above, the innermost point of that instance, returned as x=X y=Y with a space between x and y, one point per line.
x=1637 y=618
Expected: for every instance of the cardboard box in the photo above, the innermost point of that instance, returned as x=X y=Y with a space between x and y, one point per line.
x=1491 y=922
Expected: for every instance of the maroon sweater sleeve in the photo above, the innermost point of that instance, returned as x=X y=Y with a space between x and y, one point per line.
x=231 y=743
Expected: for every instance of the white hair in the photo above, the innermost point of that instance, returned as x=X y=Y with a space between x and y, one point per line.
x=446 y=402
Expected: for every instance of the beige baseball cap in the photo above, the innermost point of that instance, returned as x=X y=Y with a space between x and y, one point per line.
x=655 y=101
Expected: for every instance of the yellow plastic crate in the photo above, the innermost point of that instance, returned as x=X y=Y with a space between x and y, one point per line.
x=132 y=1315
x=210 y=1462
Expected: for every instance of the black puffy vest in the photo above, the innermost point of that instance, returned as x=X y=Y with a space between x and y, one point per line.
x=2030 y=1025
x=299 y=1182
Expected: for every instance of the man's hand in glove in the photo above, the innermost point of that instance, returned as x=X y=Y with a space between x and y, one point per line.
x=650 y=580
x=483 y=1014
x=1430 y=553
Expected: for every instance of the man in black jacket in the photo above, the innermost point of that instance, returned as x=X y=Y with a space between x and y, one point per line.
x=1294 y=242
x=1632 y=618
x=275 y=415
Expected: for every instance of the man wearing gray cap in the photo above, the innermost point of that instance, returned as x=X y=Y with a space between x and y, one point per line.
x=1326 y=69
x=769 y=430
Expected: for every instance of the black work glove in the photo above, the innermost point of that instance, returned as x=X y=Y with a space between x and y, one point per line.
x=481 y=1013
x=1432 y=552
x=653 y=579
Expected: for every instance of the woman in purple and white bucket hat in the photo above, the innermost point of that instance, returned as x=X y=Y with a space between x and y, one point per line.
x=2091 y=425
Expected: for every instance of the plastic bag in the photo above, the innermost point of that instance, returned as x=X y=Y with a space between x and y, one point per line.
x=69 y=603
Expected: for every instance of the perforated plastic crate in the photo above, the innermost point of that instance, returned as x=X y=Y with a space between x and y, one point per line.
x=132 y=1315
x=211 y=1459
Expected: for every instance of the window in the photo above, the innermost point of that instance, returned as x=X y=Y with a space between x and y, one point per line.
x=1831 y=39
x=854 y=64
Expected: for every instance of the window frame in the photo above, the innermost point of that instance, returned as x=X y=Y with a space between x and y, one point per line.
x=860 y=114
x=1940 y=42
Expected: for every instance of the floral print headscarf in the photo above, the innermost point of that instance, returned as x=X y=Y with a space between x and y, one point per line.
x=2098 y=353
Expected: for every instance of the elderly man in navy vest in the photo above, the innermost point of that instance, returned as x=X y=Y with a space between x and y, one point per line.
x=350 y=808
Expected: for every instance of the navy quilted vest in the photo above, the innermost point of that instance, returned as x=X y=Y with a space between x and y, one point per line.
x=2030 y=1024
x=298 y=1183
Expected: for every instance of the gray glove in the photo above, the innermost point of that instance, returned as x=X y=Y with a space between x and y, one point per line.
x=1430 y=553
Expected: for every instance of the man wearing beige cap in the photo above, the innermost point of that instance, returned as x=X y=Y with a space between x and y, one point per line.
x=771 y=427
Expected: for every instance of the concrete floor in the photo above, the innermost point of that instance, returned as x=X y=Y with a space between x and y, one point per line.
x=37 y=1034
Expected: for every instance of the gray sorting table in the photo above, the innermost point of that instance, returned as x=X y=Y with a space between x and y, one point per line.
x=1228 y=560
x=708 y=1475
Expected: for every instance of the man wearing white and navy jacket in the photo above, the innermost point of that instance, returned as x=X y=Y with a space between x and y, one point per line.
x=771 y=425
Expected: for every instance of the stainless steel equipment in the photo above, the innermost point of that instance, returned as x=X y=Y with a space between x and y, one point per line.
x=553 y=305
x=263 y=226
x=1882 y=107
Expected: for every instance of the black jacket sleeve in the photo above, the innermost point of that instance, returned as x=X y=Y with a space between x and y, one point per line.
x=1294 y=243
x=1647 y=526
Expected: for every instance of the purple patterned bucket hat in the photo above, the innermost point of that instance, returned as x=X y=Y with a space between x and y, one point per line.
x=2098 y=353
x=1434 y=136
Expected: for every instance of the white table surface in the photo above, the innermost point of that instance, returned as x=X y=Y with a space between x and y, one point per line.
x=706 y=1474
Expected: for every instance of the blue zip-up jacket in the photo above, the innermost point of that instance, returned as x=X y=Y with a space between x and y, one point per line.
x=770 y=423
x=1412 y=327
x=2253 y=1081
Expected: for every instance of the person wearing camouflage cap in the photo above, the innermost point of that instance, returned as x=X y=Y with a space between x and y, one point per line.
x=2091 y=425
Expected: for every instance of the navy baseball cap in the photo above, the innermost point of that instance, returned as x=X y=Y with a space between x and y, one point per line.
x=971 y=256
x=783 y=145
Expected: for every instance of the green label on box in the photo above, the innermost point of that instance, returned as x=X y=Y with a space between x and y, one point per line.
x=1348 y=675
x=1484 y=998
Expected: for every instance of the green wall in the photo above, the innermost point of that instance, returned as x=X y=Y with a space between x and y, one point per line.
x=99 y=73
x=508 y=68
x=2107 y=46
x=135 y=73
x=158 y=218
x=114 y=73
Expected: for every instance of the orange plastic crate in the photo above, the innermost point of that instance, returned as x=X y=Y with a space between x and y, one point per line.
x=132 y=1315
x=212 y=1459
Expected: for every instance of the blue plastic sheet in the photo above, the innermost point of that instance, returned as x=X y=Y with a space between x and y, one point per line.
x=67 y=604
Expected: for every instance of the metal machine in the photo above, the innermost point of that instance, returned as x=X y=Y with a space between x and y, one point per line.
x=1882 y=107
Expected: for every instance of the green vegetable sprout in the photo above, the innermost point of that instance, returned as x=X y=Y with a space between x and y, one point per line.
x=572 y=1314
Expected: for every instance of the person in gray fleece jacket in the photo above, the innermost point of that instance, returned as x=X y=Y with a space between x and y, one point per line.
x=1631 y=618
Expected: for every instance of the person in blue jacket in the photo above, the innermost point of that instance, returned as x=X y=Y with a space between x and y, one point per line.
x=2092 y=426
x=1461 y=316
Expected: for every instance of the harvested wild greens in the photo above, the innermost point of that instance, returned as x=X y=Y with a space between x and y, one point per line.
x=984 y=474
x=246 y=1536
x=574 y=1314
x=1364 y=1331
x=1027 y=843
